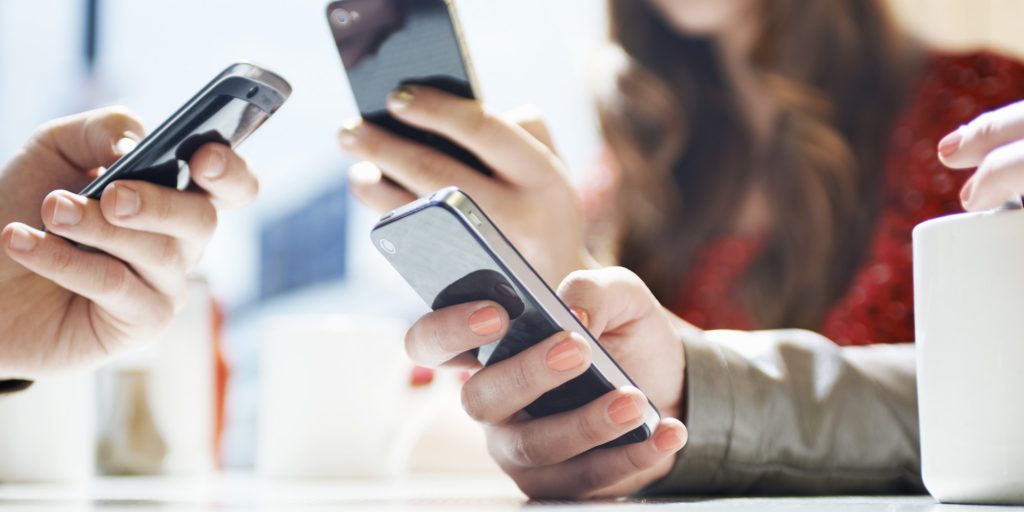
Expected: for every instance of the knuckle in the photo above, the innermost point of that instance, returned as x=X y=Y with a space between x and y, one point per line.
x=579 y=282
x=432 y=163
x=591 y=478
x=170 y=255
x=634 y=462
x=519 y=377
x=208 y=219
x=985 y=126
x=588 y=430
x=63 y=260
x=471 y=403
x=522 y=452
x=113 y=281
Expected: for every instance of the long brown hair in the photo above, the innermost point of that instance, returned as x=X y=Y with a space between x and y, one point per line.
x=837 y=73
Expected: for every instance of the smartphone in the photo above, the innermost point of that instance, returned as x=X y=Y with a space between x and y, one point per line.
x=227 y=110
x=385 y=44
x=451 y=253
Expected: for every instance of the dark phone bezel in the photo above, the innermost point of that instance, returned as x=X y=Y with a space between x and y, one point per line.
x=440 y=199
x=235 y=81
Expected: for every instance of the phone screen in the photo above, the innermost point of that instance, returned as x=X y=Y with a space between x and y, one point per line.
x=385 y=44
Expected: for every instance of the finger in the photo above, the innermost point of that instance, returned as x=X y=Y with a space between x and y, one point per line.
x=1000 y=175
x=588 y=475
x=502 y=389
x=90 y=139
x=159 y=259
x=560 y=437
x=505 y=147
x=606 y=298
x=416 y=167
x=531 y=119
x=141 y=206
x=223 y=175
x=101 y=278
x=968 y=145
x=366 y=183
x=442 y=335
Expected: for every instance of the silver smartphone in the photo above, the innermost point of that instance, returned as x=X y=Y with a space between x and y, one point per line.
x=451 y=253
x=226 y=110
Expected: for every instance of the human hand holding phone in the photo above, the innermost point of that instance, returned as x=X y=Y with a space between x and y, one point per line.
x=65 y=306
x=529 y=194
x=553 y=456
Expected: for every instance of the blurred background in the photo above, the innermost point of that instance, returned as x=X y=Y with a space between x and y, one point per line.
x=302 y=247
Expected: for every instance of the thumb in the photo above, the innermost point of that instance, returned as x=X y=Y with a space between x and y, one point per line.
x=606 y=299
x=91 y=139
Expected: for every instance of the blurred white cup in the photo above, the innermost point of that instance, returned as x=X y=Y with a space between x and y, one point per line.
x=157 y=402
x=48 y=431
x=336 y=400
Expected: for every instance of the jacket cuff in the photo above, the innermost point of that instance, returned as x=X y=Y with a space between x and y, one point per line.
x=710 y=416
x=11 y=386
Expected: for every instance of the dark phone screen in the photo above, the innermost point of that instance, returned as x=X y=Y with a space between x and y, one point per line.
x=447 y=265
x=162 y=158
x=385 y=44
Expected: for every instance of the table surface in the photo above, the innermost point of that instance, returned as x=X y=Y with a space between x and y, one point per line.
x=248 y=492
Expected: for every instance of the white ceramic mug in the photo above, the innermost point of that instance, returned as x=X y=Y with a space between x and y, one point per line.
x=969 y=314
x=48 y=431
x=335 y=398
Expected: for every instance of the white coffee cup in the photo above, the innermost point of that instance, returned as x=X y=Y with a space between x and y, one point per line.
x=48 y=431
x=969 y=314
x=335 y=398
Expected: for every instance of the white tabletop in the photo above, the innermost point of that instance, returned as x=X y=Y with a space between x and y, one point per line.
x=247 y=492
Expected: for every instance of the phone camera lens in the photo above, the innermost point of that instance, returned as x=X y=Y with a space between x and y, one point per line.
x=343 y=17
x=388 y=246
x=253 y=91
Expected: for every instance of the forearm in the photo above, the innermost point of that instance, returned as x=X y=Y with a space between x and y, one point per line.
x=790 y=412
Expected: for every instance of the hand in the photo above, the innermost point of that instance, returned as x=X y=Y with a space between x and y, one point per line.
x=62 y=306
x=529 y=196
x=548 y=457
x=994 y=143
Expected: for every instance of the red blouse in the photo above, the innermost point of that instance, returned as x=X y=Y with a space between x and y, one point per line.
x=878 y=307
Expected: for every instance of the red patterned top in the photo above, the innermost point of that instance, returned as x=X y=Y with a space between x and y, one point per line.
x=878 y=307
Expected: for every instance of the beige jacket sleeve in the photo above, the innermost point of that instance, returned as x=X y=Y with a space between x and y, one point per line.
x=790 y=412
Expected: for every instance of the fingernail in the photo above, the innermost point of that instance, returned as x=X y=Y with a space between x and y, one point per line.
x=400 y=98
x=950 y=143
x=216 y=164
x=624 y=410
x=21 y=240
x=582 y=316
x=126 y=144
x=565 y=355
x=350 y=132
x=485 y=321
x=421 y=376
x=66 y=212
x=364 y=173
x=126 y=201
x=670 y=440
x=966 y=193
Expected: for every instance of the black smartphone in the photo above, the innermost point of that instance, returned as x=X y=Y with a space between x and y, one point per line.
x=385 y=44
x=227 y=110
x=451 y=253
